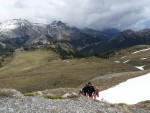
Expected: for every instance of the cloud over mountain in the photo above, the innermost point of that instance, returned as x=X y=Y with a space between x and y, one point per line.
x=81 y=13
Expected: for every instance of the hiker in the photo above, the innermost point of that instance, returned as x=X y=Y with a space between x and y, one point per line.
x=84 y=90
x=96 y=93
x=90 y=90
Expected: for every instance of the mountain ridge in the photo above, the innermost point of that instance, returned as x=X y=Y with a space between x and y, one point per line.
x=20 y=32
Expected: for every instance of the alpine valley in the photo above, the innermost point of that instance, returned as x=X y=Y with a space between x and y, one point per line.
x=44 y=66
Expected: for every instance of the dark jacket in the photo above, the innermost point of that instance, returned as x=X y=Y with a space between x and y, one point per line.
x=84 y=90
x=90 y=89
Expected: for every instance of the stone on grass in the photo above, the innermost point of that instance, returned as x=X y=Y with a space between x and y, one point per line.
x=70 y=95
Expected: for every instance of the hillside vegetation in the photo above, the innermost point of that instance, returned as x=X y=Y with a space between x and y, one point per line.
x=135 y=56
x=40 y=69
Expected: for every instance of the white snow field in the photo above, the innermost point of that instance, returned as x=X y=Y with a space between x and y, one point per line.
x=117 y=61
x=130 y=92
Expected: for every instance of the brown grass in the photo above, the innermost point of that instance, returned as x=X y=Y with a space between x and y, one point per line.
x=61 y=91
x=40 y=70
x=144 y=105
x=135 y=59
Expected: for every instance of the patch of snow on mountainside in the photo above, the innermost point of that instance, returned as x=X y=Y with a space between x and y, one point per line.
x=140 y=67
x=143 y=58
x=141 y=51
x=123 y=57
x=18 y=29
x=130 y=92
x=126 y=61
x=7 y=26
x=117 y=61
x=40 y=28
x=13 y=24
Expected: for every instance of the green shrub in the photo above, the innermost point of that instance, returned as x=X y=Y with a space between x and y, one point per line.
x=121 y=104
x=31 y=94
x=118 y=105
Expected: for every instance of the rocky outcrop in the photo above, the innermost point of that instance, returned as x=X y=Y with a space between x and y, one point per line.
x=70 y=95
x=79 y=105
x=11 y=93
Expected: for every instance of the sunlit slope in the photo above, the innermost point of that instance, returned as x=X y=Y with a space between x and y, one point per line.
x=28 y=60
x=40 y=70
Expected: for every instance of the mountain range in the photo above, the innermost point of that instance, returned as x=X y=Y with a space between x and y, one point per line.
x=20 y=32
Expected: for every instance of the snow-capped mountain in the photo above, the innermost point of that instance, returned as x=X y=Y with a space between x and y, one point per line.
x=20 y=32
x=16 y=28
x=16 y=31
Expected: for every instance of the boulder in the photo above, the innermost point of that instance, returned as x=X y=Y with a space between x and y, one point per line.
x=70 y=95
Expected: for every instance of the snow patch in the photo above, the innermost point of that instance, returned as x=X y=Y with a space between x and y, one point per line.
x=143 y=58
x=130 y=92
x=123 y=57
x=67 y=61
x=117 y=61
x=126 y=61
x=140 y=67
x=13 y=24
x=141 y=51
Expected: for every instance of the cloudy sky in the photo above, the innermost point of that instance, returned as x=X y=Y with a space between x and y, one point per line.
x=123 y=14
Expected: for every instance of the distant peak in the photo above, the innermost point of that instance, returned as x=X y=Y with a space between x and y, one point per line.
x=14 y=24
x=58 y=23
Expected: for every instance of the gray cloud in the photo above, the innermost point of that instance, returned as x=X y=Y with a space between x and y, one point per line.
x=121 y=14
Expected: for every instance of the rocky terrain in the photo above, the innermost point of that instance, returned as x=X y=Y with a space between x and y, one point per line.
x=78 y=105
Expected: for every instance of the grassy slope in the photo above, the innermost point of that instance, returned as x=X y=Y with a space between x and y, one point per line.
x=122 y=56
x=39 y=70
x=135 y=59
x=26 y=60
